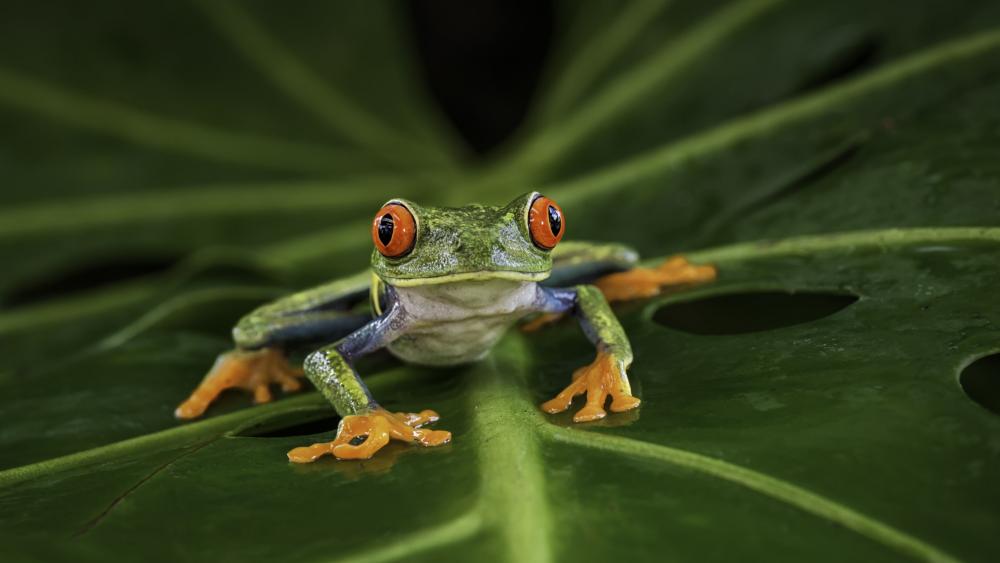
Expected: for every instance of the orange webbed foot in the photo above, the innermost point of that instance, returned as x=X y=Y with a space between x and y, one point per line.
x=640 y=283
x=252 y=371
x=360 y=436
x=603 y=378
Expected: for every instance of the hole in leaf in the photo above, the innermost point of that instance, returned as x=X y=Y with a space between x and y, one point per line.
x=280 y=428
x=89 y=276
x=739 y=313
x=981 y=382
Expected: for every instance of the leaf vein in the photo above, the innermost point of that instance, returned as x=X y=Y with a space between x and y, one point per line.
x=512 y=482
x=422 y=540
x=663 y=64
x=581 y=70
x=617 y=176
x=165 y=133
x=300 y=83
x=773 y=487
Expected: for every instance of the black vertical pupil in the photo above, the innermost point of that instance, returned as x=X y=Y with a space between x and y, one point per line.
x=385 y=228
x=555 y=220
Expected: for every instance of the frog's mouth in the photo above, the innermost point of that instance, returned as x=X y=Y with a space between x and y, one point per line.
x=484 y=275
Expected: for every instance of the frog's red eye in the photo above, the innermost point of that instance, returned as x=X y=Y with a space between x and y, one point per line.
x=546 y=223
x=394 y=230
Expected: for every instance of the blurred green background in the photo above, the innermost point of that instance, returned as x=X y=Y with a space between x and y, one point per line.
x=164 y=169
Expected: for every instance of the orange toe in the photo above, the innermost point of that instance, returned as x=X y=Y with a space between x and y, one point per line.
x=589 y=413
x=361 y=436
x=252 y=371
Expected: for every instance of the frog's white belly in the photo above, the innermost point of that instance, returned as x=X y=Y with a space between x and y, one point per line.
x=454 y=323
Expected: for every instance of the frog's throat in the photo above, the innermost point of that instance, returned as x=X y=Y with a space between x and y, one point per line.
x=466 y=276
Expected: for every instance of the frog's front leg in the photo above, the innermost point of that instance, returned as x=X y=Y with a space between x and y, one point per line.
x=606 y=376
x=365 y=427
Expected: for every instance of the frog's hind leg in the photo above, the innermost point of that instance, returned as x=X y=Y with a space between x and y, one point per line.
x=640 y=283
x=254 y=371
x=321 y=313
x=613 y=266
x=576 y=262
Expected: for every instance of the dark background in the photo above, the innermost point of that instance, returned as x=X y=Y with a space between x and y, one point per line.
x=482 y=61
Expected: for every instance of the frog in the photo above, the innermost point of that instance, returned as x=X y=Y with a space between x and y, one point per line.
x=443 y=286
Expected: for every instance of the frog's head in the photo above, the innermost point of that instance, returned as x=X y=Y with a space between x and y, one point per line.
x=426 y=245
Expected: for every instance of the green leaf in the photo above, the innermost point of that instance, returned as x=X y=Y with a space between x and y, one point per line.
x=836 y=162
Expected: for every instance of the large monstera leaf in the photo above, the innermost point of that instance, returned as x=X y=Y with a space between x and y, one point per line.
x=832 y=396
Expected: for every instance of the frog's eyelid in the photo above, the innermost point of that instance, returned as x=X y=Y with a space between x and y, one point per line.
x=526 y=211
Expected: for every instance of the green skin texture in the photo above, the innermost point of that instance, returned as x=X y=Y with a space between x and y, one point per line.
x=469 y=246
